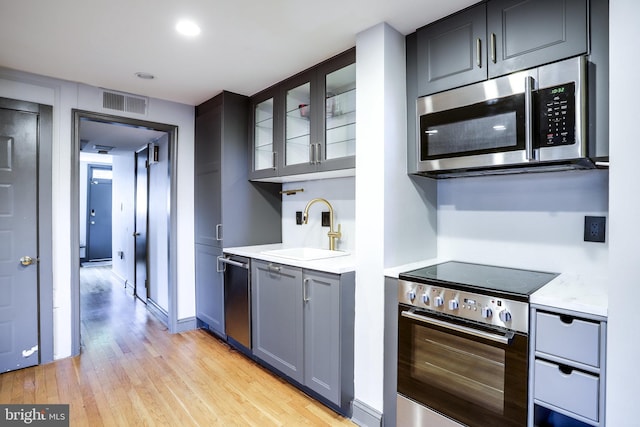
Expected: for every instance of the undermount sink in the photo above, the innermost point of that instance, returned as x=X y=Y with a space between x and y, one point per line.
x=305 y=254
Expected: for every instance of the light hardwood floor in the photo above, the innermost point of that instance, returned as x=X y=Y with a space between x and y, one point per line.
x=131 y=371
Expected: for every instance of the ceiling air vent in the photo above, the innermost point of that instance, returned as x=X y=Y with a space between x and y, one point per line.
x=124 y=102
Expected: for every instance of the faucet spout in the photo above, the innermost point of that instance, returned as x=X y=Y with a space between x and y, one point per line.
x=333 y=235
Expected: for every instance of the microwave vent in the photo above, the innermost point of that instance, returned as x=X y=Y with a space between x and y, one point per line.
x=124 y=102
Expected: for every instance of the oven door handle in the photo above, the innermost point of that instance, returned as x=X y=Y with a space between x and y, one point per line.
x=503 y=339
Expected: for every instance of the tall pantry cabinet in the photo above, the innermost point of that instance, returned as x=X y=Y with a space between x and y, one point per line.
x=229 y=210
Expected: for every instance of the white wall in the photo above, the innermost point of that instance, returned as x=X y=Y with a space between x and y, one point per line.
x=65 y=96
x=340 y=192
x=531 y=221
x=623 y=375
x=395 y=215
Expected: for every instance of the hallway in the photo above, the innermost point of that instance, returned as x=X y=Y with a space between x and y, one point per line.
x=133 y=372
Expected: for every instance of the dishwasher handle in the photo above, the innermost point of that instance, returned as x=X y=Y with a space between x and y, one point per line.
x=229 y=261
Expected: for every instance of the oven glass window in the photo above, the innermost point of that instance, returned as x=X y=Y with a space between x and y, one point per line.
x=470 y=378
x=474 y=371
x=487 y=127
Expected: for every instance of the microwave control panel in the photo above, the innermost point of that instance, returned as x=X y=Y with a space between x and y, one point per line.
x=557 y=108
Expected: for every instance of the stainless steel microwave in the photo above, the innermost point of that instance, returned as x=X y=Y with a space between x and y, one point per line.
x=531 y=120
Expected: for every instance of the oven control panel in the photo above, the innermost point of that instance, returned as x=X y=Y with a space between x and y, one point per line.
x=490 y=310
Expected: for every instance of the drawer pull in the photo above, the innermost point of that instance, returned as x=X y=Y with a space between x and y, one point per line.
x=565 y=369
x=567 y=320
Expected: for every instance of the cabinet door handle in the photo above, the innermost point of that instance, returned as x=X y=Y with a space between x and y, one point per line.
x=218 y=232
x=312 y=152
x=479 y=52
x=317 y=153
x=493 y=47
x=305 y=296
x=273 y=268
x=275 y=160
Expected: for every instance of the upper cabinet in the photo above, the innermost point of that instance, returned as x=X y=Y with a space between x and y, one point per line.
x=306 y=123
x=497 y=38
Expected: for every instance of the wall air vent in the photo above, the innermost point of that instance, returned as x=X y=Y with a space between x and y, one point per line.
x=124 y=102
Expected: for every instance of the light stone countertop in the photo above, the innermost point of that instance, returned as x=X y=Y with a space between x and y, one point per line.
x=575 y=292
x=336 y=265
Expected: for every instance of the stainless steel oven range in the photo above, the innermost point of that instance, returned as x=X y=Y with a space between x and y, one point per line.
x=463 y=344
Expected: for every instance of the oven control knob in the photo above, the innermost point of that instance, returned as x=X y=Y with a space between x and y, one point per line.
x=486 y=312
x=453 y=304
x=425 y=299
x=411 y=295
x=505 y=316
x=438 y=301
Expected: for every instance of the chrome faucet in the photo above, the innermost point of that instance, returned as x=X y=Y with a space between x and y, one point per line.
x=333 y=235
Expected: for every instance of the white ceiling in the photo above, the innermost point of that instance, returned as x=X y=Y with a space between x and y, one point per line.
x=245 y=45
x=123 y=138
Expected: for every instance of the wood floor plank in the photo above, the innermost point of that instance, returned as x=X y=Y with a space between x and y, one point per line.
x=132 y=372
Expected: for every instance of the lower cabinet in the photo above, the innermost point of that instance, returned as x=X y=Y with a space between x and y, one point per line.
x=568 y=360
x=302 y=326
x=209 y=289
x=277 y=325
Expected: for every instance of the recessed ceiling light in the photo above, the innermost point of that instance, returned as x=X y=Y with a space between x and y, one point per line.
x=187 y=28
x=145 y=76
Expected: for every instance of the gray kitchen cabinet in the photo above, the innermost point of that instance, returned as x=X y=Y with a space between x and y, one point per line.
x=229 y=210
x=209 y=288
x=328 y=335
x=497 y=38
x=277 y=324
x=303 y=327
x=567 y=364
x=305 y=124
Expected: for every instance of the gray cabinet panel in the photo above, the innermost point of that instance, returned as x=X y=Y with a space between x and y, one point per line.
x=209 y=288
x=530 y=33
x=448 y=54
x=277 y=321
x=322 y=334
x=208 y=178
x=572 y=390
x=229 y=210
x=568 y=337
x=497 y=38
x=303 y=326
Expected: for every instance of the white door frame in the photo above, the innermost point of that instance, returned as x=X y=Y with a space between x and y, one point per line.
x=172 y=131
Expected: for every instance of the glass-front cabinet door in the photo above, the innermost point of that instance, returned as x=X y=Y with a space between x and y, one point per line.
x=340 y=113
x=263 y=134
x=306 y=123
x=297 y=132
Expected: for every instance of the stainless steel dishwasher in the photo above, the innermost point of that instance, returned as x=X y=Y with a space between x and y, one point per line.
x=237 y=301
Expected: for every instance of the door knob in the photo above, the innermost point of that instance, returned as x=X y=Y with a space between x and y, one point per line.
x=26 y=260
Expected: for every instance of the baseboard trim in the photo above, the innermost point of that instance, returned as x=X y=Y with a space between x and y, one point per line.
x=366 y=416
x=188 y=324
x=158 y=311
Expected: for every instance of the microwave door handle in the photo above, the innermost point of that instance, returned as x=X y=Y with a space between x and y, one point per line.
x=528 y=113
x=502 y=339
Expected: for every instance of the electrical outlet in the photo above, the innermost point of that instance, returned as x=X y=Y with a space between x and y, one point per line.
x=325 y=219
x=594 y=228
x=298 y=217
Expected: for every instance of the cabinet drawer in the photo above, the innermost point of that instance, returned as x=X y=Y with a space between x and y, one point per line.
x=567 y=337
x=576 y=391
